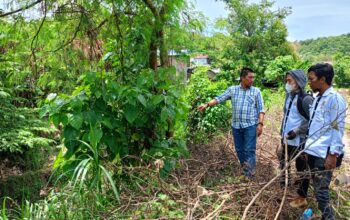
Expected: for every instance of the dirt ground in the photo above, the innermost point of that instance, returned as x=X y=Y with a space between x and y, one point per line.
x=215 y=168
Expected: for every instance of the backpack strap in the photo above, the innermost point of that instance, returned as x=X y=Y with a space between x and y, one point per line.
x=301 y=97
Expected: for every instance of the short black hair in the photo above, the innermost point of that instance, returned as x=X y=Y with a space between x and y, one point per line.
x=244 y=71
x=323 y=70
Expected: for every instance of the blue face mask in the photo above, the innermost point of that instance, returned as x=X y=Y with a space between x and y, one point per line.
x=289 y=88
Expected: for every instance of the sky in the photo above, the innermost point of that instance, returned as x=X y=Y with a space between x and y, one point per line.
x=309 y=18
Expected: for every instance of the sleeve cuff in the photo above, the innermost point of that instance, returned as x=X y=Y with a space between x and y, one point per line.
x=336 y=150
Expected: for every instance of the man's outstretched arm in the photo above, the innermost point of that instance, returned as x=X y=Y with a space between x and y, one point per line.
x=206 y=105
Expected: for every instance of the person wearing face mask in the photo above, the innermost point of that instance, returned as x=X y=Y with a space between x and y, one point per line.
x=295 y=124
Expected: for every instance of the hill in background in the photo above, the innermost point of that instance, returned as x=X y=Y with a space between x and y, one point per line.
x=324 y=48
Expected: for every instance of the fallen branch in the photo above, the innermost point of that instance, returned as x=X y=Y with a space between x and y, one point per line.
x=285 y=178
x=214 y=213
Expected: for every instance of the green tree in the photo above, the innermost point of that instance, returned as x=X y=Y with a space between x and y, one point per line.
x=276 y=69
x=324 y=48
x=103 y=52
x=342 y=71
x=258 y=34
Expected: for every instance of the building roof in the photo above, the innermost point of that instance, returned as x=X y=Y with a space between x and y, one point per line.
x=201 y=56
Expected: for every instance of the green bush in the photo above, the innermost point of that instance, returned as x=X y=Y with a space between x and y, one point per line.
x=202 y=125
x=112 y=121
x=23 y=187
x=20 y=127
x=277 y=68
x=342 y=71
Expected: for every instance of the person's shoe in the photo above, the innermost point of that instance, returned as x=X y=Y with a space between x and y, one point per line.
x=298 y=202
x=244 y=178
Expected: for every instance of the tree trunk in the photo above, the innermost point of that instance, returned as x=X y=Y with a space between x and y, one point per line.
x=153 y=51
x=164 y=58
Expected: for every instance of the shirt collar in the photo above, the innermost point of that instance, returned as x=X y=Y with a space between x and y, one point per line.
x=241 y=87
x=328 y=91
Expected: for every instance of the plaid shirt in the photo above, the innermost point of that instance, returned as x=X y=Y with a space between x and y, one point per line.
x=246 y=105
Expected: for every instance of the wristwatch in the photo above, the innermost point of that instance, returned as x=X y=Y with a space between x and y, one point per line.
x=262 y=124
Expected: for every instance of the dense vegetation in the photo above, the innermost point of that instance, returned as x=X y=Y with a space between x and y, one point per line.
x=324 y=48
x=93 y=113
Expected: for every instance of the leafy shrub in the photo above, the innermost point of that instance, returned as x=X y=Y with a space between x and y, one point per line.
x=25 y=141
x=342 y=71
x=273 y=97
x=277 y=68
x=20 y=127
x=22 y=187
x=120 y=120
x=214 y=119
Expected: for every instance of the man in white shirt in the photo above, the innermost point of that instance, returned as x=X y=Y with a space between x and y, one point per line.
x=326 y=128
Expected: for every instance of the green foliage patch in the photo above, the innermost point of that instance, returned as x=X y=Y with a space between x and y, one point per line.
x=120 y=121
x=201 y=89
x=20 y=127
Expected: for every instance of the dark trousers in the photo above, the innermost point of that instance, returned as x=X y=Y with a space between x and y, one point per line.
x=300 y=163
x=321 y=179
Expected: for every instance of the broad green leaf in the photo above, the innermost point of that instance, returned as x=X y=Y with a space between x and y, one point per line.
x=76 y=120
x=59 y=118
x=142 y=99
x=70 y=138
x=91 y=117
x=95 y=135
x=131 y=113
x=164 y=114
x=111 y=142
x=59 y=158
x=43 y=111
x=157 y=99
x=107 y=122
x=69 y=133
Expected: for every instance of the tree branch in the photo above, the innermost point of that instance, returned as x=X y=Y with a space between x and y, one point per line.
x=72 y=39
x=151 y=6
x=35 y=39
x=101 y=24
x=21 y=9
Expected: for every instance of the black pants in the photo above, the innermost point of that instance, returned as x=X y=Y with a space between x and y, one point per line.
x=300 y=163
x=321 y=179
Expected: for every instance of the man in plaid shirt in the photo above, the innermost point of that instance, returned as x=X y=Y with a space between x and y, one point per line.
x=247 y=118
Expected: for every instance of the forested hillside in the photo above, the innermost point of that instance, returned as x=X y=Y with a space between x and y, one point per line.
x=324 y=47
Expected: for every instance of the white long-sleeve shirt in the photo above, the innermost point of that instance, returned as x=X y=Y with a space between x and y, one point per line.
x=293 y=122
x=326 y=126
